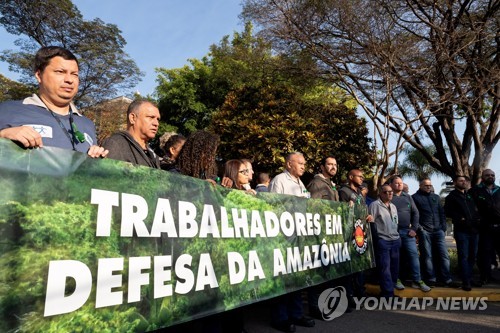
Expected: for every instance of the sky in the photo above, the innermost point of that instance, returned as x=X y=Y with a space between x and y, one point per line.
x=166 y=33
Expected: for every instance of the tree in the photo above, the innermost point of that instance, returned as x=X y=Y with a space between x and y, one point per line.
x=189 y=95
x=263 y=105
x=105 y=68
x=10 y=90
x=267 y=123
x=421 y=69
x=185 y=99
x=415 y=165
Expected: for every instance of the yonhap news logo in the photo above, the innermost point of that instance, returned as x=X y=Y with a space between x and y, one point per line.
x=333 y=303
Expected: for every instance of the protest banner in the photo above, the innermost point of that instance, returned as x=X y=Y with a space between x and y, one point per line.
x=102 y=244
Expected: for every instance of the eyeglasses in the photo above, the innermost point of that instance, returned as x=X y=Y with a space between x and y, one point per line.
x=244 y=171
x=360 y=176
x=387 y=192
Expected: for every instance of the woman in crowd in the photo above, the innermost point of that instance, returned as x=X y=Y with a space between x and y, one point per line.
x=171 y=150
x=237 y=171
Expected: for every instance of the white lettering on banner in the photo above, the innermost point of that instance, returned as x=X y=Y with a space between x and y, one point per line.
x=209 y=223
x=106 y=281
x=55 y=300
x=105 y=200
x=237 y=268
x=110 y=285
x=163 y=221
x=135 y=210
x=310 y=257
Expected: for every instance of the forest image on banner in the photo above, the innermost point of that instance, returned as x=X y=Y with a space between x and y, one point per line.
x=101 y=245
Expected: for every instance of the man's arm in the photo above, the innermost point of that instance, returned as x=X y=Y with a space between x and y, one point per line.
x=276 y=186
x=315 y=190
x=415 y=215
x=442 y=216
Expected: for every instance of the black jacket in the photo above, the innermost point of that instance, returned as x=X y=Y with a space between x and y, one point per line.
x=488 y=204
x=123 y=147
x=462 y=210
x=431 y=212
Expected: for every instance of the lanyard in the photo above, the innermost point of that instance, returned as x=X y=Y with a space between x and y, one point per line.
x=65 y=131
x=75 y=133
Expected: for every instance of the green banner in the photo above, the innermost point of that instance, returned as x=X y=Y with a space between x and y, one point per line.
x=92 y=245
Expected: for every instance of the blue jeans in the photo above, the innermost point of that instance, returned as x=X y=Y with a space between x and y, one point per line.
x=434 y=242
x=466 y=251
x=409 y=250
x=387 y=257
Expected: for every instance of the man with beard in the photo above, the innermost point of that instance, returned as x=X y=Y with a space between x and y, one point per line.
x=460 y=207
x=132 y=145
x=322 y=186
x=487 y=198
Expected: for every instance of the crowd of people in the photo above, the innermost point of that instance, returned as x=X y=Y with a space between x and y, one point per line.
x=397 y=218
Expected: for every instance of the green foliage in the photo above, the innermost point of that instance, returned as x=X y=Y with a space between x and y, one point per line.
x=263 y=106
x=416 y=165
x=267 y=123
x=104 y=66
x=12 y=90
x=182 y=100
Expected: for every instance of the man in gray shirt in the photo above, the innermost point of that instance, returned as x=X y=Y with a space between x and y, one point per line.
x=385 y=216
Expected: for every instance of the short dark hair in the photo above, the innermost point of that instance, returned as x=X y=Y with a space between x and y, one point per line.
x=171 y=142
x=323 y=160
x=393 y=178
x=263 y=177
x=460 y=176
x=46 y=53
x=135 y=105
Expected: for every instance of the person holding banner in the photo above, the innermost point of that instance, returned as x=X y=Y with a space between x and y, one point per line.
x=322 y=187
x=238 y=172
x=132 y=145
x=50 y=118
x=287 y=310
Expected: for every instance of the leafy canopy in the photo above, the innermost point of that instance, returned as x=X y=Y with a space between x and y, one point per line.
x=105 y=68
x=263 y=105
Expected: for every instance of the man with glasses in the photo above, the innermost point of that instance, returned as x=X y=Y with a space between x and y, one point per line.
x=487 y=197
x=407 y=227
x=432 y=234
x=385 y=215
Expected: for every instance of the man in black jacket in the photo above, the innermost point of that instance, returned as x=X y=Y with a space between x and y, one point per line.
x=487 y=198
x=432 y=234
x=132 y=145
x=460 y=207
